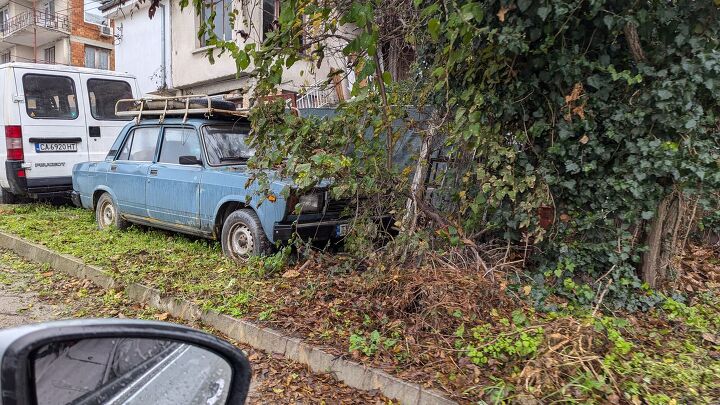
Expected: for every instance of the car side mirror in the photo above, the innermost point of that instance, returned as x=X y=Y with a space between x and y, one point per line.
x=119 y=361
x=189 y=160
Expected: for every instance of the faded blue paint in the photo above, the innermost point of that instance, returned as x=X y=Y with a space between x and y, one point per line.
x=181 y=196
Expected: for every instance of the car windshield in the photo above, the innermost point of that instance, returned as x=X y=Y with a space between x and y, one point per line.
x=226 y=144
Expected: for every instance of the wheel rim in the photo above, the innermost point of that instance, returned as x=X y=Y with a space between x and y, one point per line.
x=107 y=214
x=241 y=241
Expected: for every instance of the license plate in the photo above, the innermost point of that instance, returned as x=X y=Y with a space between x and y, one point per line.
x=56 y=147
x=341 y=230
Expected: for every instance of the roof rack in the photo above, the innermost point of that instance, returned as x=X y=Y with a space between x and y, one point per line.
x=179 y=105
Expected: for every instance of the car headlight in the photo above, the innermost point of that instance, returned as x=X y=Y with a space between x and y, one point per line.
x=310 y=203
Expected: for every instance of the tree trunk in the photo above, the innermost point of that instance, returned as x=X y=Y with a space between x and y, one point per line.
x=662 y=241
x=417 y=186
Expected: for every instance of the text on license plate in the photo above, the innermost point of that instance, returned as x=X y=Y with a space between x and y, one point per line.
x=56 y=147
x=341 y=230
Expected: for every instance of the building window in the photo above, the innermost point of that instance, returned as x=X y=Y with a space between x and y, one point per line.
x=97 y=58
x=5 y=57
x=4 y=17
x=92 y=12
x=223 y=27
x=270 y=15
x=50 y=55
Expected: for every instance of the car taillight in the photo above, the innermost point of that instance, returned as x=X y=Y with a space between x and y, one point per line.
x=13 y=140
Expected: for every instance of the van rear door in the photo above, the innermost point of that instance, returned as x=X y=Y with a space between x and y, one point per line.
x=53 y=125
x=101 y=93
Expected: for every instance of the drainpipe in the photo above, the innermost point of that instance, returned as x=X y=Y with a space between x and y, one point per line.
x=163 y=62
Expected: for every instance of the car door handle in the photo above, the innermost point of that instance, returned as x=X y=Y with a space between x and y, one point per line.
x=113 y=168
x=153 y=172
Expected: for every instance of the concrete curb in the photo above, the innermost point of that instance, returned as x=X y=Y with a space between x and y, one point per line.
x=351 y=373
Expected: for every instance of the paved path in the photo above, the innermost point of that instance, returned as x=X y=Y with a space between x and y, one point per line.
x=18 y=304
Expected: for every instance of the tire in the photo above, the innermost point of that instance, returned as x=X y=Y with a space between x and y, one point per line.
x=107 y=214
x=243 y=236
x=7 y=197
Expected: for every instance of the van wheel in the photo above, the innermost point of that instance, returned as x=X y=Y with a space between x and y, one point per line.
x=7 y=197
x=107 y=214
x=243 y=236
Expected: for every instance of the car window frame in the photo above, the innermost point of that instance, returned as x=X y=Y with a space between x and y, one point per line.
x=92 y=113
x=130 y=133
x=206 y=158
x=75 y=93
x=203 y=157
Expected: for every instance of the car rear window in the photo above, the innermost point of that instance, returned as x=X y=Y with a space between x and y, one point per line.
x=227 y=144
x=50 y=97
x=140 y=145
x=103 y=94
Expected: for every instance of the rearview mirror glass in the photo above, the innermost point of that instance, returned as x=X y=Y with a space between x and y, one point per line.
x=128 y=371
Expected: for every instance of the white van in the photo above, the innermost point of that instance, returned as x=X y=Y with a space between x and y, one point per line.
x=53 y=117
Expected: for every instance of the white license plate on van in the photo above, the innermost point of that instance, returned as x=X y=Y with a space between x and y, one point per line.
x=56 y=147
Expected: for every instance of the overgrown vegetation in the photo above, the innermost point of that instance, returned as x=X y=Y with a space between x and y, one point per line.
x=578 y=134
x=492 y=348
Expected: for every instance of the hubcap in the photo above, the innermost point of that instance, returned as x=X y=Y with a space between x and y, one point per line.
x=107 y=214
x=241 y=241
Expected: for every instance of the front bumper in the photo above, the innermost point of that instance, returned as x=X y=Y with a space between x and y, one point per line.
x=322 y=230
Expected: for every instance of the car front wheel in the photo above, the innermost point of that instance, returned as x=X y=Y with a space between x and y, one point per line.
x=243 y=236
x=107 y=214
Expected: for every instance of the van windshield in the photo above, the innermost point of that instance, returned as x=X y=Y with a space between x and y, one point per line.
x=226 y=144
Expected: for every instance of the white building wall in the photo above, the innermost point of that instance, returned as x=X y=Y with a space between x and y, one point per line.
x=143 y=48
x=193 y=72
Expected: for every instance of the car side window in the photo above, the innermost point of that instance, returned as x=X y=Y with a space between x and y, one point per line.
x=179 y=142
x=140 y=145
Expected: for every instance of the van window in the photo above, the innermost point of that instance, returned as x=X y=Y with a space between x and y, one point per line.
x=140 y=145
x=103 y=94
x=49 y=96
x=179 y=142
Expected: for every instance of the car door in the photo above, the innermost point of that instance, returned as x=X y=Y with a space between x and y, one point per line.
x=173 y=189
x=53 y=124
x=129 y=170
x=103 y=126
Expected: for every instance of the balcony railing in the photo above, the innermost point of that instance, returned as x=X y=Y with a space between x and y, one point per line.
x=52 y=21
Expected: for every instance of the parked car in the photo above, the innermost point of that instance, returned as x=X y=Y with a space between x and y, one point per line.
x=52 y=118
x=119 y=361
x=190 y=175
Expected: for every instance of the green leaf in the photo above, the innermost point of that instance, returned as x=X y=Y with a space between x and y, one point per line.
x=646 y=215
x=434 y=28
x=387 y=77
x=543 y=12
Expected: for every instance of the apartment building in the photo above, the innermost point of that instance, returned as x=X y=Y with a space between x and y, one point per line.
x=68 y=32
x=167 y=57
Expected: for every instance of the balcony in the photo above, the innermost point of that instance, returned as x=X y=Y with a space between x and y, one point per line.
x=33 y=28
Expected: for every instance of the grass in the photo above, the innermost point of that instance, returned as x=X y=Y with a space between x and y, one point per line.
x=173 y=263
x=507 y=353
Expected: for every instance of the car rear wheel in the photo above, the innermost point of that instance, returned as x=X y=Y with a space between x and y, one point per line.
x=107 y=214
x=7 y=197
x=243 y=236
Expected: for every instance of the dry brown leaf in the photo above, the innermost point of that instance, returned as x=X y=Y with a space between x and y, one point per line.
x=714 y=339
x=162 y=316
x=291 y=274
x=503 y=12
x=585 y=139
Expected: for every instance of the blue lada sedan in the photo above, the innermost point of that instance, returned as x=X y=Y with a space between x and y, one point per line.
x=190 y=176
